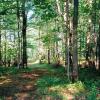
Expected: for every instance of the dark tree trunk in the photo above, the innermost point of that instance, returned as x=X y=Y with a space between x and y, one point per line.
x=75 y=51
x=98 y=43
x=24 y=16
x=5 y=48
x=94 y=49
x=48 y=56
x=0 y=50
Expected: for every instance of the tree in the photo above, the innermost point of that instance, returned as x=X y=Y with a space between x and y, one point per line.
x=24 y=26
x=19 y=36
x=67 y=32
x=75 y=52
x=98 y=44
x=0 y=47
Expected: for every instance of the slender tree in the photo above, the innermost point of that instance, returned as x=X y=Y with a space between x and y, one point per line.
x=0 y=47
x=98 y=46
x=24 y=26
x=5 y=49
x=75 y=51
x=66 y=30
x=19 y=40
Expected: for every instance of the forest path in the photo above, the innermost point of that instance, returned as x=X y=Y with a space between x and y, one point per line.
x=21 y=86
x=29 y=84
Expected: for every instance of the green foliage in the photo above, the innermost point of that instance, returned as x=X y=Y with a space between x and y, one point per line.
x=48 y=81
x=12 y=70
x=50 y=38
x=93 y=93
x=45 y=9
x=58 y=83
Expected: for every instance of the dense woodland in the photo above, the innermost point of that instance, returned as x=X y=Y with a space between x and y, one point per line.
x=54 y=32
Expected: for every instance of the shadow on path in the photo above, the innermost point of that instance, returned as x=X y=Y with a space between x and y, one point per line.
x=20 y=86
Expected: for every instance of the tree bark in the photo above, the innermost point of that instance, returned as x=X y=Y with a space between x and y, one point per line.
x=67 y=32
x=0 y=49
x=48 y=56
x=19 y=41
x=5 y=49
x=75 y=51
x=24 y=16
x=98 y=43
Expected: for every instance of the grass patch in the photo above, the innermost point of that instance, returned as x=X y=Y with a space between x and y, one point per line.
x=86 y=88
x=13 y=70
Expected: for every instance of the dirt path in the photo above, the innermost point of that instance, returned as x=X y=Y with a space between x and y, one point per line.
x=21 y=86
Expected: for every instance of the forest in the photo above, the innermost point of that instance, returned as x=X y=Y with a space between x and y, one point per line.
x=49 y=49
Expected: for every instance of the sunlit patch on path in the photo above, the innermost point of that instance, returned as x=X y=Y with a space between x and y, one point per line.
x=21 y=86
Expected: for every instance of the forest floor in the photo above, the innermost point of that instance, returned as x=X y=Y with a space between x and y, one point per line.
x=45 y=82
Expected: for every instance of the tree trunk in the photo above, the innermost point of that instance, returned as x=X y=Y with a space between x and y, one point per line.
x=75 y=51
x=48 y=56
x=0 y=49
x=48 y=47
x=98 y=43
x=5 y=49
x=19 y=41
x=57 y=44
x=39 y=45
x=95 y=34
x=24 y=16
x=66 y=30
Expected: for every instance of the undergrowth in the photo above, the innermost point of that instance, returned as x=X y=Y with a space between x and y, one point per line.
x=55 y=86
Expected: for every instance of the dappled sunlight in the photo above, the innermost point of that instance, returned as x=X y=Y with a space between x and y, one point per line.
x=76 y=87
x=98 y=96
x=43 y=84
x=28 y=87
x=64 y=92
x=9 y=98
x=22 y=96
x=2 y=77
x=6 y=81
x=68 y=90
x=29 y=75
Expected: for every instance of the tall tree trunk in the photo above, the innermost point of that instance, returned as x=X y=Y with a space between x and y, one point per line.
x=5 y=49
x=62 y=18
x=67 y=32
x=57 y=44
x=24 y=16
x=75 y=51
x=88 y=43
x=19 y=41
x=98 y=43
x=0 y=49
x=48 y=56
x=94 y=49
x=58 y=7
x=71 y=46
x=95 y=34
x=80 y=50
x=48 y=47
x=39 y=45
